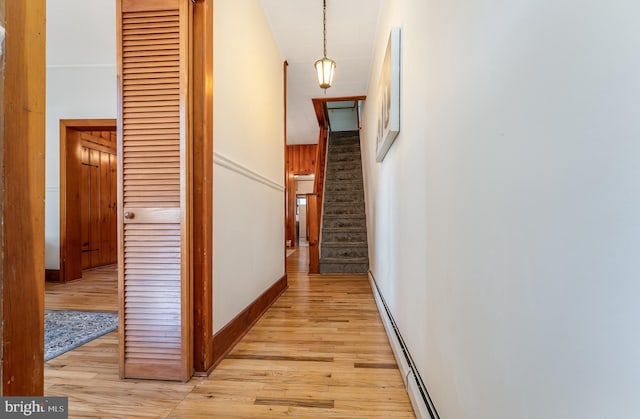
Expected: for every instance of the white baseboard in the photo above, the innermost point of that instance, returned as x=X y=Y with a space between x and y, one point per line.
x=420 y=405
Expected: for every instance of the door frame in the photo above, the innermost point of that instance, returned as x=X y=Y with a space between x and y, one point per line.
x=202 y=187
x=70 y=246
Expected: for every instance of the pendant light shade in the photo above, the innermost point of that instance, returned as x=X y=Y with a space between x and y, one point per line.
x=325 y=67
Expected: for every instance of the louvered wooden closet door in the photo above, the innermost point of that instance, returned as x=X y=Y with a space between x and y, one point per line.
x=154 y=230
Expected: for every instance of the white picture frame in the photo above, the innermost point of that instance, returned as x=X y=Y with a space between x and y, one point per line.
x=389 y=96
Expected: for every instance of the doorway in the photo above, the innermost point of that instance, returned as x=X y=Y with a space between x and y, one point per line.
x=88 y=196
x=303 y=186
x=302 y=227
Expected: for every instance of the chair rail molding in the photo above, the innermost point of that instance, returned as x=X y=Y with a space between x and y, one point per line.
x=228 y=163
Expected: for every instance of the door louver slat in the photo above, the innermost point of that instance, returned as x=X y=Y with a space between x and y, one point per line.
x=154 y=264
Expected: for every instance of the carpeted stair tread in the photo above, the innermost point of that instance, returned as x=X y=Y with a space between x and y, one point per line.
x=351 y=183
x=344 y=244
x=345 y=222
x=344 y=156
x=344 y=192
x=344 y=260
x=343 y=215
x=344 y=166
x=343 y=229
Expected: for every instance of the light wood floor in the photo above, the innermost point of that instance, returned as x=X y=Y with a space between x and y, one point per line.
x=96 y=291
x=320 y=351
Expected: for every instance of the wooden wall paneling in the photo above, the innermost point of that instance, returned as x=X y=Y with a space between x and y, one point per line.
x=106 y=221
x=154 y=202
x=113 y=195
x=22 y=189
x=97 y=223
x=301 y=158
x=291 y=208
x=299 y=165
x=309 y=152
x=84 y=189
x=94 y=208
x=203 y=187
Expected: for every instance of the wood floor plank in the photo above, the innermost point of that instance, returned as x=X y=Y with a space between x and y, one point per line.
x=319 y=351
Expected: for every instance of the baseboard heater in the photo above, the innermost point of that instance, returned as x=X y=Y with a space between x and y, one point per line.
x=418 y=394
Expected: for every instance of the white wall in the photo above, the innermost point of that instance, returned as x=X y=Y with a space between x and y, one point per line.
x=248 y=186
x=343 y=119
x=81 y=83
x=505 y=220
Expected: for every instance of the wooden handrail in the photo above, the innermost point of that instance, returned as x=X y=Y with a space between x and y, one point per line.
x=314 y=203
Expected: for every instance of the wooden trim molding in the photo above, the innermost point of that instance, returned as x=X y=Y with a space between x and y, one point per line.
x=314 y=233
x=52 y=275
x=227 y=337
x=319 y=105
x=203 y=186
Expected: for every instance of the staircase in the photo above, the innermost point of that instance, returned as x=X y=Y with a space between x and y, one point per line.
x=344 y=228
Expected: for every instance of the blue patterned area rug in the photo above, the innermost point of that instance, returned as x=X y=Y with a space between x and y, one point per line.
x=65 y=330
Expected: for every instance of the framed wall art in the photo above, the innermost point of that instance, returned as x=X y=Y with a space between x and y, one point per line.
x=389 y=96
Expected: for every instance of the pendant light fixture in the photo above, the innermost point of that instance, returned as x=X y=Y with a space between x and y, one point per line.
x=325 y=66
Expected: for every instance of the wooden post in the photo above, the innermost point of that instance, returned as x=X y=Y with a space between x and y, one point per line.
x=22 y=145
x=314 y=233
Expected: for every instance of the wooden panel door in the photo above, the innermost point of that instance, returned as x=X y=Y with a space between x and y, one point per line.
x=97 y=200
x=154 y=196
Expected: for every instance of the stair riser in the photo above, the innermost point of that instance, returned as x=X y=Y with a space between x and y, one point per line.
x=339 y=176
x=332 y=195
x=347 y=268
x=357 y=202
x=345 y=169
x=341 y=199
x=342 y=150
x=344 y=237
x=342 y=187
x=343 y=158
x=344 y=139
x=344 y=252
x=346 y=162
x=344 y=135
x=334 y=210
x=344 y=222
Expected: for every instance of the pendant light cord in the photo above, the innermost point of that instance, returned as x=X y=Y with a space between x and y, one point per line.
x=324 y=25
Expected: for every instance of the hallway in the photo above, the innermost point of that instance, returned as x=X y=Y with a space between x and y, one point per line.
x=319 y=351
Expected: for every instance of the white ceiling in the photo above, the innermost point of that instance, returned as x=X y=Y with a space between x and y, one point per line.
x=297 y=29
